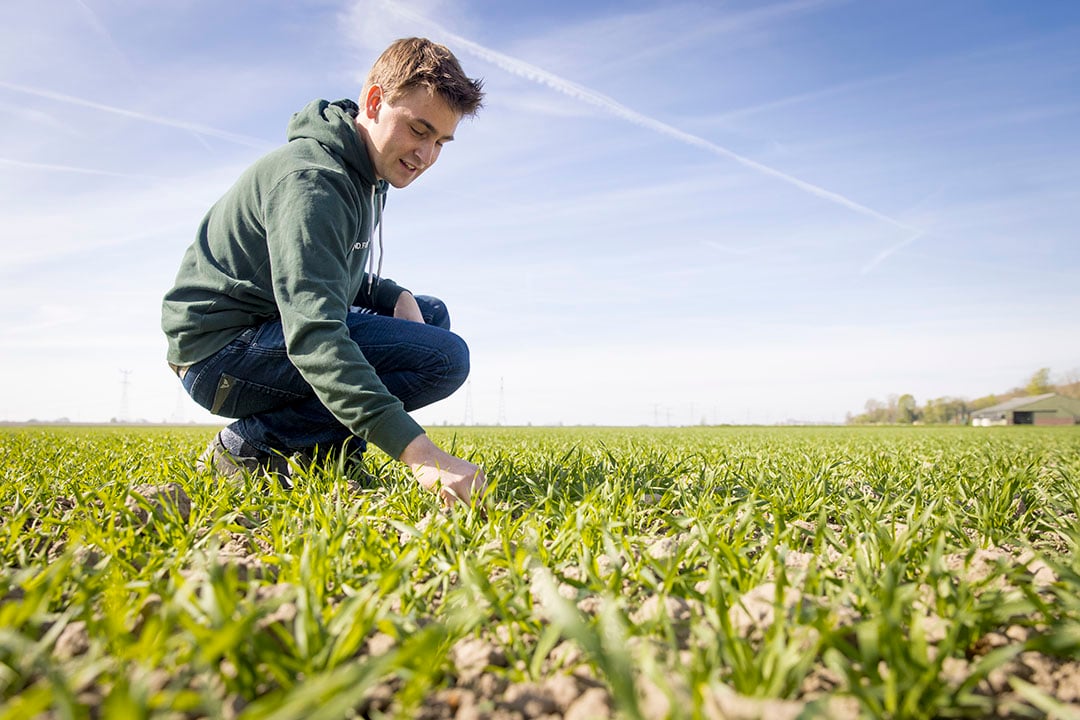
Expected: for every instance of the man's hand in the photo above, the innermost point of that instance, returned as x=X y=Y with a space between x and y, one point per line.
x=439 y=471
x=407 y=309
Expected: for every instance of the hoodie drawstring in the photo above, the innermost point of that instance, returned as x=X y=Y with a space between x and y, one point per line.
x=371 y=255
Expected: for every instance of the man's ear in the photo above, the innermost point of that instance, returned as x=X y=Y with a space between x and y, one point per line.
x=373 y=100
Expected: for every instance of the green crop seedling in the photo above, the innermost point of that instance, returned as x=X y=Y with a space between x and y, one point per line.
x=645 y=573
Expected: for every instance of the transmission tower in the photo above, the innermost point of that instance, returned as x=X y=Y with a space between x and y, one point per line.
x=124 y=402
x=179 y=416
x=468 y=403
x=502 y=403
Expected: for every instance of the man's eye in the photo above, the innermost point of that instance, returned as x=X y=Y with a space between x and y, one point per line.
x=418 y=132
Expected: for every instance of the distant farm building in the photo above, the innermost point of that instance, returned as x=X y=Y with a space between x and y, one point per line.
x=1048 y=409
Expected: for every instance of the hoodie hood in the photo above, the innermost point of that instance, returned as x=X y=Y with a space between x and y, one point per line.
x=331 y=124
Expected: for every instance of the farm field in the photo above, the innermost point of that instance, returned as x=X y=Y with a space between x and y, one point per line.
x=625 y=573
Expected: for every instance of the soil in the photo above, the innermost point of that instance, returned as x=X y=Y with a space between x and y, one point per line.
x=569 y=689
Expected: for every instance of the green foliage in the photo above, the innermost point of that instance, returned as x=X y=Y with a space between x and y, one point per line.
x=904 y=410
x=907 y=409
x=880 y=565
x=1039 y=382
x=956 y=411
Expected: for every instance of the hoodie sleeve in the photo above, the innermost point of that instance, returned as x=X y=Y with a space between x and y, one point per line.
x=380 y=295
x=310 y=221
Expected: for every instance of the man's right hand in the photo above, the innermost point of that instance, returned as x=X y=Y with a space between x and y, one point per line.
x=439 y=471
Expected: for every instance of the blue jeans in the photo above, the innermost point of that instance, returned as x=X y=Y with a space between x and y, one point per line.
x=277 y=409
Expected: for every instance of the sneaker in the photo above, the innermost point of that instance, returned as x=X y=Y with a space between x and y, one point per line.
x=217 y=458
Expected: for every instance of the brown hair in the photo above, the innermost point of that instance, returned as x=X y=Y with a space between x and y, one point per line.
x=419 y=62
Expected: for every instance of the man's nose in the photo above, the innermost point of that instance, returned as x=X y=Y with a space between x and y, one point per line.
x=426 y=153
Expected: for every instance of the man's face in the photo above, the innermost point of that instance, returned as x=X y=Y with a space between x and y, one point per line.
x=404 y=138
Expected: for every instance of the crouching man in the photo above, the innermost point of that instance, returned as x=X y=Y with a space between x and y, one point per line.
x=279 y=317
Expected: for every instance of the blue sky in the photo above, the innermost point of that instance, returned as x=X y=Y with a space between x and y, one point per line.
x=666 y=213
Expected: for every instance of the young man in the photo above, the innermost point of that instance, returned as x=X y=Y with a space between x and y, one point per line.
x=279 y=317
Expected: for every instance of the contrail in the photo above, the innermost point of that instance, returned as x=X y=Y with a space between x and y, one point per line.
x=180 y=125
x=881 y=256
x=95 y=22
x=580 y=92
x=73 y=169
x=803 y=97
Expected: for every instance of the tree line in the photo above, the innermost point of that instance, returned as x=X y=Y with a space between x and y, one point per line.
x=904 y=410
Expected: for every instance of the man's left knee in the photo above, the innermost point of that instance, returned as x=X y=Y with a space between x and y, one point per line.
x=460 y=358
x=434 y=311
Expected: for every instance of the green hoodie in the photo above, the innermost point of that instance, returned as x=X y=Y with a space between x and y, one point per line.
x=290 y=240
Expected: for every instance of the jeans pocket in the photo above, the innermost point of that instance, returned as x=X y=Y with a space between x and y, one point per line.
x=238 y=398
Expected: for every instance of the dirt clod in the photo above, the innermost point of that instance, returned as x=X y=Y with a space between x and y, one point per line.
x=593 y=704
x=530 y=700
x=563 y=689
x=162 y=499
x=471 y=656
x=663 y=549
x=677 y=610
x=73 y=641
